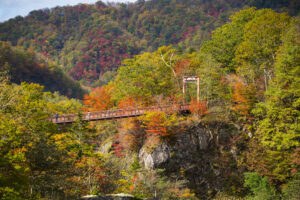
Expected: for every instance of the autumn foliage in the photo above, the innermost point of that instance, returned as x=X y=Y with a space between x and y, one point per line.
x=155 y=124
x=182 y=66
x=99 y=99
x=160 y=124
x=131 y=134
x=249 y=78
x=199 y=107
x=243 y=97
x=94 y=174
x=127 y=103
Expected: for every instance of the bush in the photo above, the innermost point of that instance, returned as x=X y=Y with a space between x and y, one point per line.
x=7 y=193
x=259 y=186
x=291 y=191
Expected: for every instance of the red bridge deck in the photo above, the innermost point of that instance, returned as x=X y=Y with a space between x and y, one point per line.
x=115 y=114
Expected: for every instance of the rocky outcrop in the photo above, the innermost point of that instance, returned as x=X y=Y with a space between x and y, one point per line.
x=196 y=152
x=159 y=156
x=185 y=144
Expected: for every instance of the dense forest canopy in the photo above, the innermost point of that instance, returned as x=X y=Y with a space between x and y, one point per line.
x=90 y=40
x=28 y=66
x=248 y=63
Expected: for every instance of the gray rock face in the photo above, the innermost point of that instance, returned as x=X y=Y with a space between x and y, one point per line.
x=146 y=159
x=185 y=144
x=106 y=147
x=159 y=156
x=203 y=139
x=196 y=152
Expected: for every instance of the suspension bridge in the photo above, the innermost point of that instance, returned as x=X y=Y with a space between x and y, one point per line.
x=130 y=112
x=117 y=114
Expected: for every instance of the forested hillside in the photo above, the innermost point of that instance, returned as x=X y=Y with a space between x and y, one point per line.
x=28 y=66
x=90 y=40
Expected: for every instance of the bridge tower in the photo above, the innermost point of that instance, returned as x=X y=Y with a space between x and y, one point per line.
x=188 y=79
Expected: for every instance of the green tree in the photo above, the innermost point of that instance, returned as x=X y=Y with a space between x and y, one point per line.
x=211 y=75
x=279 y=128
x=256 y=54
x=227 y=38
x=277 y=119
x=32 y=165
x=259 y=186
x=147 y=75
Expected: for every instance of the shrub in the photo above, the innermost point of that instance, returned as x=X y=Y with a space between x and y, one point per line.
x=259 y=186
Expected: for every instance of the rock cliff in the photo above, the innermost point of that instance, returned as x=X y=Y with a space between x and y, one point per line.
x=203 y=154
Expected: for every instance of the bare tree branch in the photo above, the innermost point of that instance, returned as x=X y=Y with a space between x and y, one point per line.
x=170 y=66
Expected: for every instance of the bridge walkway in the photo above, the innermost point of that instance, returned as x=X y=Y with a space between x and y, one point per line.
x=116 y=114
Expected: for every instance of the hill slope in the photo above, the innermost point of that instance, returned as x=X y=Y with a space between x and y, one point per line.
x=89 y=40
x=30 y=67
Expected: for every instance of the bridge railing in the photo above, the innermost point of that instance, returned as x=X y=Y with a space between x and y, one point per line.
x=121 y=113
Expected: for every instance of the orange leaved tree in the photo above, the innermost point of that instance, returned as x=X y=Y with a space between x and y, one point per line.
x=199 y=107
x=127 y=103
x=99 y=99
x=160 y=124
x=243 y=97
